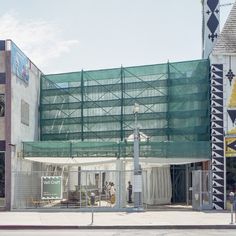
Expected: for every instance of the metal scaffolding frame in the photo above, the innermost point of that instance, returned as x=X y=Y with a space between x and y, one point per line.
x=97 y=105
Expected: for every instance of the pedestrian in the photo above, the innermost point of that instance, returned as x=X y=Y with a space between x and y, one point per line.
x=130 y=188
x=113 y=192
x=109 y=190
x=105 y=187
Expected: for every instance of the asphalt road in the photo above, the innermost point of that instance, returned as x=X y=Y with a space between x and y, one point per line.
x=156 y=232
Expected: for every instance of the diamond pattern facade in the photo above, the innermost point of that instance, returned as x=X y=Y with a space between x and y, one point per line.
x=211 y=15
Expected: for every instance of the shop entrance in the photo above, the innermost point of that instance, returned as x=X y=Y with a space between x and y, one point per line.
x=178 y=175
x=182 y=181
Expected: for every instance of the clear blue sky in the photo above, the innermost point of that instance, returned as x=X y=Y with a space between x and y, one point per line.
x=70 y=35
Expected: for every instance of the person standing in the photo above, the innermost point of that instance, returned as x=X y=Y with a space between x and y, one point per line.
x=130 y=188
x=113 y=192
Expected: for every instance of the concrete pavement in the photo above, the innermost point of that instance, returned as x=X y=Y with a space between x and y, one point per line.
x=161 y=219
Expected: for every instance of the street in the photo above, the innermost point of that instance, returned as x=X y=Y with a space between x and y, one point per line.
x=117 y=232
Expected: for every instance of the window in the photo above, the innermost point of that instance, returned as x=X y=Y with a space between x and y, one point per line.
x=2 y=105
x=24 y=112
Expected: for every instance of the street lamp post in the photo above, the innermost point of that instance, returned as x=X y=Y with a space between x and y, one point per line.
x=231 y=199
x=137 y=168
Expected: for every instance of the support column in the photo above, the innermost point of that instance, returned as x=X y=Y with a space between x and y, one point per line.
x=120 y=196
x=82 y=105
x=137 y=169
x=8 y=153
x=217 y=136
x=122 y=105
x=168 y=101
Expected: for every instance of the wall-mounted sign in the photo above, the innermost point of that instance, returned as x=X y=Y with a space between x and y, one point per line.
x=230 y=147
x=51 y=187
x=20 y=64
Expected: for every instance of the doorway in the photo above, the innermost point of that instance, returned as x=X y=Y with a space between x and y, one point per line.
x=178 y=176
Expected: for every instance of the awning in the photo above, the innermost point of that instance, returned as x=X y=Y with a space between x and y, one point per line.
x=100 y=161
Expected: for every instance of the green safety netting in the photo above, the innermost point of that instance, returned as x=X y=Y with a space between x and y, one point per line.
x=97 y=106
x=79 y=149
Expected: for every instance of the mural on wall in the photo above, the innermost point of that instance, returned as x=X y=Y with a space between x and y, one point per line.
x=20 y=64
x=217 y=133
x=230 y=147
x=230 y=139
x=231 y=104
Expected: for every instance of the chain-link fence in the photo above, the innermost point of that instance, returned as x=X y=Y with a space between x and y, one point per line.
x=71 y=189
x=74 y=187
x=201 y=190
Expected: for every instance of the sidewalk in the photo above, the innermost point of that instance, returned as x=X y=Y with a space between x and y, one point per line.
x=105 y=220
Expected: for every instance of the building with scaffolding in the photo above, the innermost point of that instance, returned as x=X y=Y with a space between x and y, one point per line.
x=86 y=131
x=65 y=137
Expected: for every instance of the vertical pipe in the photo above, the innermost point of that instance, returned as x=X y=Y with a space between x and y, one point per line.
x=136 y=144
x=82 y=105
x=173 y=178
x=200 y=190
x=232 y=214
x=40 y=108
x=122 y=105
x=86 y=189
x=70 y=150
x=187 y=183
x=80 y=189
x=168 y=101
x=225 y=198
x=118 y=181
x=68 y=187
x=8 y=153
x=137 y=170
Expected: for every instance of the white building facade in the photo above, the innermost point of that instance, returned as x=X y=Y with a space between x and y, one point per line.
x=20 y=88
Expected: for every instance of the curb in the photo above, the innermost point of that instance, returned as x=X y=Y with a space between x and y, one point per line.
x=89 y=227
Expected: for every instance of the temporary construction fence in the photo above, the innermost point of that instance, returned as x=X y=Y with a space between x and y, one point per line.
x=65 y=189
x=201 y=190
x=73 y=188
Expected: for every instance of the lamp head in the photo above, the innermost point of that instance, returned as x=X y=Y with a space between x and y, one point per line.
x=136 y=108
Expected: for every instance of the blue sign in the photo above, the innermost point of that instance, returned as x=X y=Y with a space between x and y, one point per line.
x=19 y=63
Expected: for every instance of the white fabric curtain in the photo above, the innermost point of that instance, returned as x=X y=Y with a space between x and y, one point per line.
x=88 y=178
x=157 y=185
